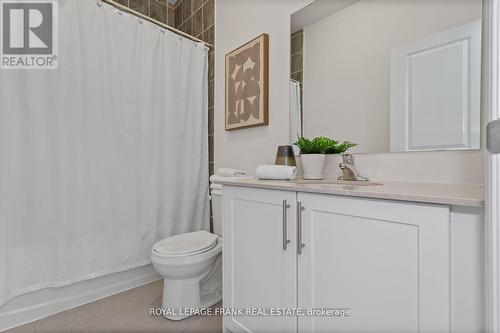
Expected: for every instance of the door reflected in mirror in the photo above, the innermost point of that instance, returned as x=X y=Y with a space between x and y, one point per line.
x=389 y=75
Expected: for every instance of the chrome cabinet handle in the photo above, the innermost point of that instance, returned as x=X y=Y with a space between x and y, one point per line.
x=300 y=245
x=285 y=225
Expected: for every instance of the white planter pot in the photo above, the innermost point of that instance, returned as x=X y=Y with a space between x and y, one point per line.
x=313 y=165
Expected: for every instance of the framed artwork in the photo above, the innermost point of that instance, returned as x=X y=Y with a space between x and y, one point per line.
x=247 y=85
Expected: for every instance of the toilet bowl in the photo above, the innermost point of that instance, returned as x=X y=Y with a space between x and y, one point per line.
x=191 y=266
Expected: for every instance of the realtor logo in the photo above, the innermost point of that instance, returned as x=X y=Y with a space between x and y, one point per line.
x=29 y=37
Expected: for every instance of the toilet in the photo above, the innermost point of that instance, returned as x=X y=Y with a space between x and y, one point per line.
x=191 y=265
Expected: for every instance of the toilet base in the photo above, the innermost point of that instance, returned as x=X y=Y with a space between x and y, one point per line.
x=181 y=296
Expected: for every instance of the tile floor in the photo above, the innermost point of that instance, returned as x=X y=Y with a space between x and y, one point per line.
x=127 y=312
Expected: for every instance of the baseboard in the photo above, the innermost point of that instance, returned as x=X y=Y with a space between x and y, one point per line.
x=46 y=302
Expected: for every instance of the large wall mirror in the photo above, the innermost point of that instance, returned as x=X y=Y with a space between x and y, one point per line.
x=390 y=75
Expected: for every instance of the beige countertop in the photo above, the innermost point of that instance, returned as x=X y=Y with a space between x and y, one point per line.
x=471 y=195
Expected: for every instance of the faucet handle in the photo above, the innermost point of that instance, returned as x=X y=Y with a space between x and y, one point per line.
x=348 y=172
x=348 y=168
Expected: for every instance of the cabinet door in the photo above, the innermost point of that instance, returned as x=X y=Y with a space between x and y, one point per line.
x=388 y=262
x=258 y=272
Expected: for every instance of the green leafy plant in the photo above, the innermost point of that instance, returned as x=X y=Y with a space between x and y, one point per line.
x=322 y=145
x=314 y=146
x=340 y=148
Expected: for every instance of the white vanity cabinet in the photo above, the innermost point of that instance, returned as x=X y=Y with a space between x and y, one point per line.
x=258 y=271
x=388 y=262
x=398 y=266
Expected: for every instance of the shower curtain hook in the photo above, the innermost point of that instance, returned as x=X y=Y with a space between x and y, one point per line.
x=99 y=3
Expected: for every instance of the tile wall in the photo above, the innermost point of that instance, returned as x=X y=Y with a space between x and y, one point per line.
x=296 y=62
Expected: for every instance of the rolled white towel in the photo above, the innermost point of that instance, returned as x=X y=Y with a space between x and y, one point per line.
x=215 y=186
x=217 y=179
x=279 y=172
x=227 y=172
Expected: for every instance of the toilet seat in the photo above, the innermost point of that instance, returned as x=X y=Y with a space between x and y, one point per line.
x=187 y=244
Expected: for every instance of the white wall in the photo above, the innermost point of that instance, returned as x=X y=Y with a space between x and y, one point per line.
x=238 y=21
x=347 y=64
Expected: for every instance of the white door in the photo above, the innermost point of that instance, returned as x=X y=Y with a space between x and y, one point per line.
x=388 y=262
x=259 y=263
x=435 y=91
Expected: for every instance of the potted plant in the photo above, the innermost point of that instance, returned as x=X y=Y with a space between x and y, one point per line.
x=312 y=155
x=314 y=151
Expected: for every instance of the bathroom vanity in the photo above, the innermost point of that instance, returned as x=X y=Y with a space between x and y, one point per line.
x=393 y=77
x=402 y=257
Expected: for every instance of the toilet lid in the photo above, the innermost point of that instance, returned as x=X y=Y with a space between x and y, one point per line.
x=188 y=243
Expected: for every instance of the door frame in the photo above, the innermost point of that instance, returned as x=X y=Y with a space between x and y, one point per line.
x=491 y=16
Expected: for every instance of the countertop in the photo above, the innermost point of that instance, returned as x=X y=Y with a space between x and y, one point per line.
x=471 y=195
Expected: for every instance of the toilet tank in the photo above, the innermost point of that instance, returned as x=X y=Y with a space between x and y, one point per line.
x=216 y=195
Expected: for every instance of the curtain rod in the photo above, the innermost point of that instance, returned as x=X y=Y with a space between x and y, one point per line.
x=161 y=24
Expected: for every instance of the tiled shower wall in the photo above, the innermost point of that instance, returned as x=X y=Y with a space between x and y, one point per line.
x=297 y=47
x=161 y=11
x=194 y=17
x=296 y=63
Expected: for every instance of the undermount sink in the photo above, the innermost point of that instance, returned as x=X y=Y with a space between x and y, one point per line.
x=336 y=182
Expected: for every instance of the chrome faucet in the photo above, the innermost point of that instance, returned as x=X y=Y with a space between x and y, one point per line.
x=349 y=171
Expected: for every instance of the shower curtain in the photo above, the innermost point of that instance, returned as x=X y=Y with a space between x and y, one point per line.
x=104 y=156
x=295 y=114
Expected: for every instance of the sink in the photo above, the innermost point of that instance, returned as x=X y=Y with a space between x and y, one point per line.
x=336 y=182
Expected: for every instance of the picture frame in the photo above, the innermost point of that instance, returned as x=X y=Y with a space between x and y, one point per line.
x=247 y=85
